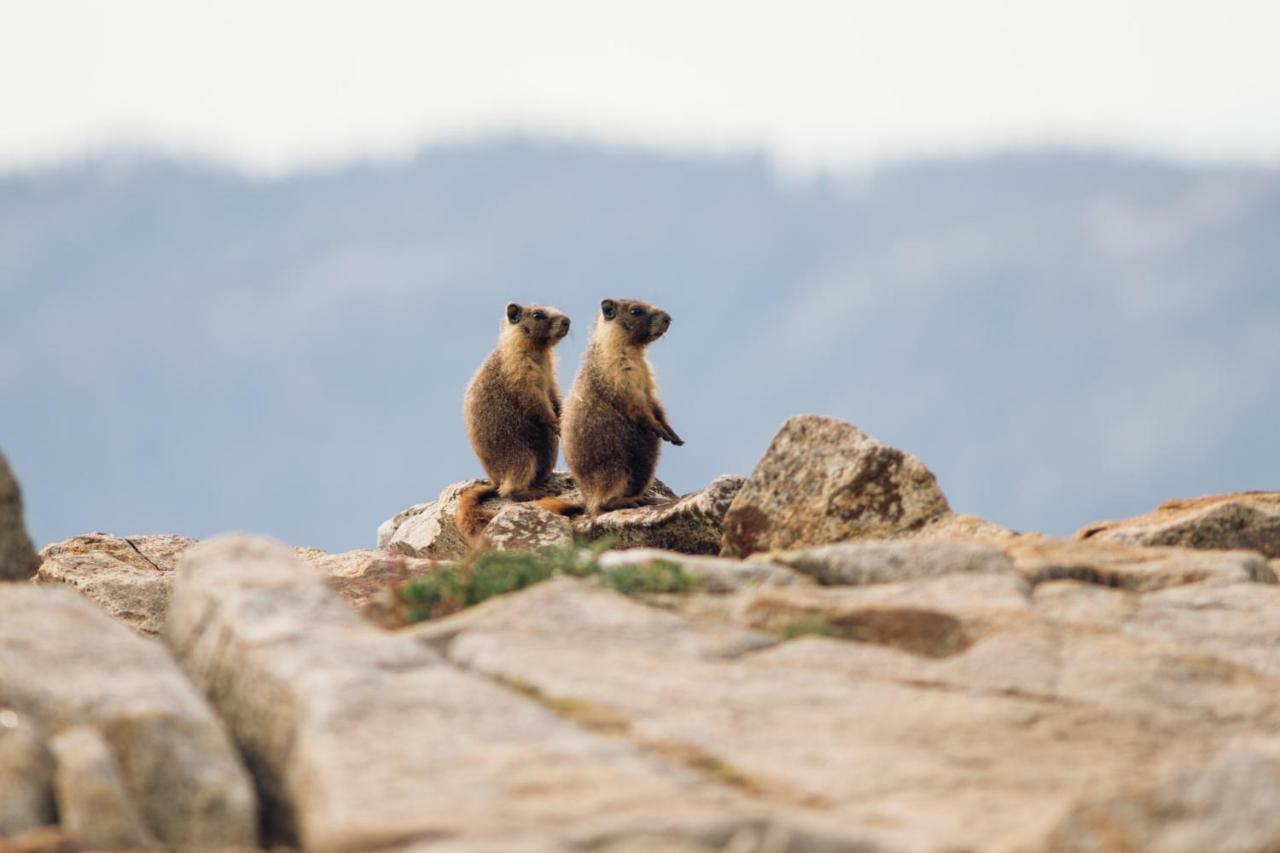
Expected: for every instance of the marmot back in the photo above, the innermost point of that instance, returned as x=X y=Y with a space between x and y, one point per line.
x=614 y=423
x=512 y=409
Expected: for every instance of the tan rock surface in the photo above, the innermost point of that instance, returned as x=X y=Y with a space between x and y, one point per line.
x=694 y=524
x=952 y=712
x=26 y=776
x=1246 y=520
x=64 y=662
x=1130 y=567
x=362 y=738
x=888 y=561
x=17 y=556
x=94 y=804
x=712 y=574
x=823 y=480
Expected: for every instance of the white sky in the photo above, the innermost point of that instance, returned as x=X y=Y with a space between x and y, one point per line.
x=276 y=84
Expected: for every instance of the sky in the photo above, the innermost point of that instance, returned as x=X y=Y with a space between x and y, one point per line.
x=279 y=86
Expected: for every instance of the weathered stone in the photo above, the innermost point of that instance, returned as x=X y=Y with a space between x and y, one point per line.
x=64 y=662
x=26 y=776
x=128 y=576
x=46 y=839
x=961 y=527
x=1129 y=567
x=1245 y=520
x=1231 y=805
x=17 y=556
x=713 y=574
x=94 y=804
x=884 y=562
x=823 y=480
x=362 y=738
x=979 y=719
x=525 y=526
x=691 y=525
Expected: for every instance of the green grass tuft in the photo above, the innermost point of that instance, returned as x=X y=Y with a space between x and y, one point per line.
x=812 y=626
x=492 y=573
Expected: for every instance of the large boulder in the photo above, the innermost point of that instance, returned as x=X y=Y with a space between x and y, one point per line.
x=690 y=524
x=65 y=663
x=1248 y=520
x=17 y=556
x=362 y=739
x=823 y=480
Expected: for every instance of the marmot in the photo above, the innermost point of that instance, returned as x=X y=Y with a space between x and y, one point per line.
x=512 y=410
x=613 y=421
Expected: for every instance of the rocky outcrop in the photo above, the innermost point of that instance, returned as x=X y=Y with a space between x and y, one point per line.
x=362 y=738
x=690 y=524
x=94 y=804
x=1132 y=568
x=63 y=662
x=1246 y=520
x=17 y=556
x=710 y=574
x=823 y=480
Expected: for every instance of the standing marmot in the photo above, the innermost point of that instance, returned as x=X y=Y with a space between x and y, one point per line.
x=512 y=410
x=613 y=421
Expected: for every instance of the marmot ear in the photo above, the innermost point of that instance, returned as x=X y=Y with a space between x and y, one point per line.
x=514 y=313
x=609 y=309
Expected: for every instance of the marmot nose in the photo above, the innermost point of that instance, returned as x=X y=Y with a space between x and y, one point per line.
x=664 y=318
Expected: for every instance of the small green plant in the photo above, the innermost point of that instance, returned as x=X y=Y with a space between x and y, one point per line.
x=451 y=588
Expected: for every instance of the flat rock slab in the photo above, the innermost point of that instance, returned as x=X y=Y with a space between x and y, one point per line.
x=980 y=744
x=361 y=738
x=17 y=556
x=1247 y=520
x=823 y=480
x=63 y=662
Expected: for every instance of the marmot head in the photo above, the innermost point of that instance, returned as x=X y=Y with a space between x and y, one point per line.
x=536 y=324
x=639 y=322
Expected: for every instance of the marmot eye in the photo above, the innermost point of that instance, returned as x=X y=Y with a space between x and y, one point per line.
x=538 y=315
x=637 y=312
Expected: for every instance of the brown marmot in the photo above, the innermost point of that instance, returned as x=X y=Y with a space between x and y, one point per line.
x=613 y=421
x=512 y=411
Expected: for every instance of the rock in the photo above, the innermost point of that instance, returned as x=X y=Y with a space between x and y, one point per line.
x=1132 y=568
x=362 y=738
x=46 y=839
x=884 y=562
x=64 y=662
x=961 y=527
x=713 y=574
x=17 y=556
x=525 y=526
x=26 y=776
x=978 y=716
x=1232 y=805
x=1244 y=520
x=131 y=577
x=93 y=803
x=691 y=525
x=128 y=576
x=823 y=480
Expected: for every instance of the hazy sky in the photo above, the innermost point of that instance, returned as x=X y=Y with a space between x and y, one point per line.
x=273 y=85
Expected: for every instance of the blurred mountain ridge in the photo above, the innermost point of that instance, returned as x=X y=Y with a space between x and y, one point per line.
x=1061 y=335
